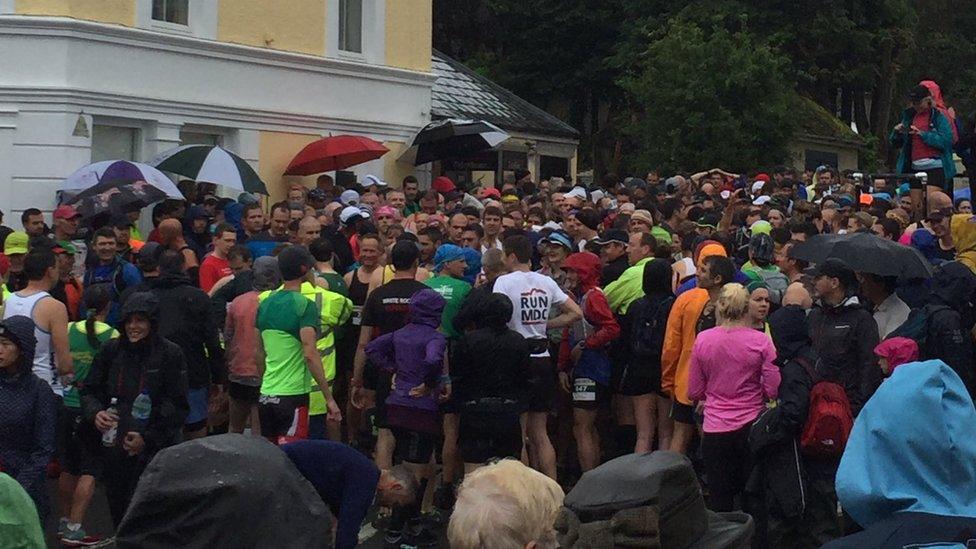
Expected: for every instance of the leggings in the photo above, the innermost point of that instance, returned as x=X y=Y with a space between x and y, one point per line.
x=728 y=463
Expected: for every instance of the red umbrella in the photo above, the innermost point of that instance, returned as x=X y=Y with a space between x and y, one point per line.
x=335 y=153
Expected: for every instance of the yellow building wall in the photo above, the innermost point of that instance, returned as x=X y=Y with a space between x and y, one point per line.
x=409 y=27
x=393 y=171
x=290 y=25
x=119 y=12
x=276 y=149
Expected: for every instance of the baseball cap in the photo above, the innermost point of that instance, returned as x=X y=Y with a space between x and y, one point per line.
x=709 y=219
x=577 y=192
x=918 y=93
x=16 y=243
x=613 y=235
x=661 y=235
x=443 y=184
x=351 y=212
x=834 y=268
x=760 y=200
x=845 y=201
x=247 y=198
x=65 y=211
x=757 y=186
x=150 y=249
x=294 y=262
x=596 y=196
x=64 y=247
x=761 y=226
x=491 y=192
x=197 y=212
x=373 y=180
x=349 y=198
x=266 y=275
x=559 y=238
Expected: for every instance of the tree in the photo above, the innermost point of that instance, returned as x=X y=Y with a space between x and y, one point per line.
x=709 y=98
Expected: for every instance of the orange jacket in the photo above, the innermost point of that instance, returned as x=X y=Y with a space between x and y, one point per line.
x=679 y=338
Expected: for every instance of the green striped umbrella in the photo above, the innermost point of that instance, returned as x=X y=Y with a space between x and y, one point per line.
x=211 y=164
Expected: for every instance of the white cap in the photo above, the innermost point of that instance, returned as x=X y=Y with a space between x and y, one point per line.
x=757 y=186
x=349 y=198
x=552 y=225
x=350 y=212
x=596 y=196
x=760 y=200
x=577 y=192
x=373 y=180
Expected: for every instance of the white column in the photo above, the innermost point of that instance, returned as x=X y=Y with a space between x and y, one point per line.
x=8 y=127
x=161 y=136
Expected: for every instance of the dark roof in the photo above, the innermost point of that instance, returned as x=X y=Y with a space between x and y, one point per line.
x=817 y=122
x=459 y=92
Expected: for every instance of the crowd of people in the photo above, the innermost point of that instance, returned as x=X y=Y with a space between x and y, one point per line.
x=429 y=333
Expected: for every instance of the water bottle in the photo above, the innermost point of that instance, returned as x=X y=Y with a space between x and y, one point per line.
x=141 y=408
x=108 y=439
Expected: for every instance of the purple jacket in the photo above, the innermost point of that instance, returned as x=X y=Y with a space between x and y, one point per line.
x=415 y=352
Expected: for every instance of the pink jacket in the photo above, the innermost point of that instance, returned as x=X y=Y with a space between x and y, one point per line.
x=732 y=370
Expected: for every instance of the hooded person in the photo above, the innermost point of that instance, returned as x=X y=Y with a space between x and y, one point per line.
x=140 y=365
x=584 y=359
x=762 y=269
x=910 y=463
x=963 y=229
x=488 y=371
x=708 y=248
x=924 y=139
x=894 y=352
x=927 y=244
x=414 y=355
x=20 y=527
x=28 y=412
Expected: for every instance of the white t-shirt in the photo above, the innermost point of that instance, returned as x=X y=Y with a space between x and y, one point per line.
x=532 y=295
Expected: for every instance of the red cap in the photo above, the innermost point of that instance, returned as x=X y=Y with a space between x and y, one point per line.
x=762 y=177
x=443 y=184
x=66 y=212
x=491 y=192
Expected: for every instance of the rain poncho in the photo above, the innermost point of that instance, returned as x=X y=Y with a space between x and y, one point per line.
x=911 y=452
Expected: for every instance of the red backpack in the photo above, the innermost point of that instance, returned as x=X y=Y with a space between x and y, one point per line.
x=829 y=421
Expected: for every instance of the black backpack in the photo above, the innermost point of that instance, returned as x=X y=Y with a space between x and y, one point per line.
x=647 y=327
x=917 y=326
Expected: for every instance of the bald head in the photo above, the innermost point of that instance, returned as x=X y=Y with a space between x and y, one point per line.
x=939 y=200
x=308 y=230
x=170 y=230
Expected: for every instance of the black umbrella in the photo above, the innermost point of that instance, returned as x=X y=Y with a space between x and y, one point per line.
x=454 y=138
x=867 y=253
x=115 y=197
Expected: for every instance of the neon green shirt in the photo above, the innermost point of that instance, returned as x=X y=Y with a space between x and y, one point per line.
x=626 y=289
x=453 y=291
x=281 y=317
x=82 y=354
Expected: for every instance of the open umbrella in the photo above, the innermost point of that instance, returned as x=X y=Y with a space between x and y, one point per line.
x=335 y=153
x=114 y=197
x=453 y=138
x=117 y=171
x=211 y=164
x=867 y=253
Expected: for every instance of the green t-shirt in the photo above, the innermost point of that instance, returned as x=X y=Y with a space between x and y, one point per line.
x=82 y=354
x=280 y=320
x=453 y=291
x=336 y=283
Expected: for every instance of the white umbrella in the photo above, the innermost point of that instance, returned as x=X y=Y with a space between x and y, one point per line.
x=118 y=170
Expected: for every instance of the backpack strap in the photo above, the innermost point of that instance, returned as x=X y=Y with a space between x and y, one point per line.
x=810 y=368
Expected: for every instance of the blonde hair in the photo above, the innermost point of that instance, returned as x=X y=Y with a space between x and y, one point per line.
x=505 y=505
x=732 y=303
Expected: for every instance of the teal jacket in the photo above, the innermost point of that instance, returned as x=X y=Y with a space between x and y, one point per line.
x=912 y=449
x=938 y=135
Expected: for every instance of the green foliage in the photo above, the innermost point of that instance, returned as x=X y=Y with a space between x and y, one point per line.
x=716 y=98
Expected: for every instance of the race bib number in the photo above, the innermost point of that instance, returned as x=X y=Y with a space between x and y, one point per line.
x=584 y=390
x=357 y=315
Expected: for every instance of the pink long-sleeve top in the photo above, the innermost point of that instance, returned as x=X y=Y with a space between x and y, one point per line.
x=732 y=370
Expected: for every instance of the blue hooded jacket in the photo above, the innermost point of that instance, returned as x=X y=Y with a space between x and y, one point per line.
x=912 y=448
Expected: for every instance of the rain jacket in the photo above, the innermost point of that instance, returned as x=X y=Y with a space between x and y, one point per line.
x=844 y=337
x=491 y=362
x=937 y=135
x=678 y=342
x=597 y=328
x=910 y=463
x=415 y=353
x=28 y=415
x=19 y=525
x=897 y=351
x=950 y=318
x=185 y=318
x=964 y=238
x=626 y=289
x=123 y=370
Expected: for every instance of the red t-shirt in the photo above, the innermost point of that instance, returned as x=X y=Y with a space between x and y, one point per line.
x=920 y=149
x=211 y=270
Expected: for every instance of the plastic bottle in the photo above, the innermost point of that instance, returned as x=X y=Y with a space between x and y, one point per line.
x=141 y=408
x=108 y=439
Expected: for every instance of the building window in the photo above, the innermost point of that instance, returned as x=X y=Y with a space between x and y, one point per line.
x=814 y=159
x=113 y=143
x=351 y=25
x=199 y=138
x=171 y=11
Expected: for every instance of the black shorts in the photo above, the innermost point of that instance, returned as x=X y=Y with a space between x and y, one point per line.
x=384 y=382
x=246 y=394
x=936 y=179
x=283 y=415
x=636 y=377
x=484 y=436
x=543 y=381
x=588 y=394
x=682 y=413
x=414 y=446
x=79 y=444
